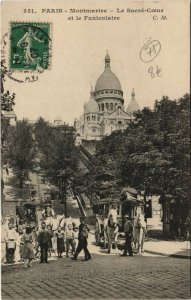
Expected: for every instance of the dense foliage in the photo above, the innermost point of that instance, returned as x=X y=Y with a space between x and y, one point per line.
x=152 y=154
x=56 y=148
x=21 y=150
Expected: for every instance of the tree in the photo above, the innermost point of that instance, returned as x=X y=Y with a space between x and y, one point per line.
x=152 y=154
x=57 y=154
x=43 y=133
x=21 y=151
x=7 y=101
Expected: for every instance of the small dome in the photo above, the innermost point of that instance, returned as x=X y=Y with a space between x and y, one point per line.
x=133 y=105
x=91 y=106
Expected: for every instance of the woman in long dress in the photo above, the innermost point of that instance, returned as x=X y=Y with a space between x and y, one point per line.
x=27 y=249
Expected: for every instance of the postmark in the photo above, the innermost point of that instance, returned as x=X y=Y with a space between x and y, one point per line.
x=30 y=46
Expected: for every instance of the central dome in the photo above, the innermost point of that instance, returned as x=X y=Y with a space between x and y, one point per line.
x=107 y=80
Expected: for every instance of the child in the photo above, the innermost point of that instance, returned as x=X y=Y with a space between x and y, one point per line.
x=50 y=240
x=60 y=241
x=69 y=233
x=27 y=249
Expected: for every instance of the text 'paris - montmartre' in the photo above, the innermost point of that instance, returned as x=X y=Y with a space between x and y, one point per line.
x=93 y=11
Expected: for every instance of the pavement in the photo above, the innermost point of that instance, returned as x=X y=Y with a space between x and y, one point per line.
x=105 y=276
x=179 y=249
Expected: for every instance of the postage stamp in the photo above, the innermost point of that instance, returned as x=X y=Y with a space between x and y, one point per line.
x=30 y=46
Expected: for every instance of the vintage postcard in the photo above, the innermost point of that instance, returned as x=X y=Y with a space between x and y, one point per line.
x=95 y=147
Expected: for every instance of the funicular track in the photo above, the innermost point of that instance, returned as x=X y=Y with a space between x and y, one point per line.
x=87 y=158
x=90 y=162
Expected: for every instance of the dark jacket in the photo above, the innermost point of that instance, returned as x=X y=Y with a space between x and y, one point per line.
x=43 y=237
x=128 y=228
x=83 y=231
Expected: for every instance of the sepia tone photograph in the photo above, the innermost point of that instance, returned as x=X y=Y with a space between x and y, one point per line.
x=95 y=149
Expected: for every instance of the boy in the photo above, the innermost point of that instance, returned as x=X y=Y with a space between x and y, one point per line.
x=69 y=233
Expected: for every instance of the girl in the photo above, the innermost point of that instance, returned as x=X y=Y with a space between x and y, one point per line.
x=27 y=249
x=60 y=242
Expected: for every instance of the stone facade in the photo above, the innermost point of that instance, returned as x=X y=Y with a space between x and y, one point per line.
x=105 y=112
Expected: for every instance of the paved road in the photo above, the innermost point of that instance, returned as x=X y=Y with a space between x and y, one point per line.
x=105 y=276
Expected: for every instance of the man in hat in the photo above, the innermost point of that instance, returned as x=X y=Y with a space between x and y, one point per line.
x=128 y=229
x=82 y=238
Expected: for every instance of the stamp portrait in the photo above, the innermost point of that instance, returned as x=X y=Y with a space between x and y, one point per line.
x=30 y=45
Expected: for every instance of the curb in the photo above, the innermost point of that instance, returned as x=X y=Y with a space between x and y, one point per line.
x=168 y=255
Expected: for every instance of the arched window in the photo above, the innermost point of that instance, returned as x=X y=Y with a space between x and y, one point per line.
x=99 y=106
x=107 y=106
x=111 y=106
x=88 y=119
x=102 y=106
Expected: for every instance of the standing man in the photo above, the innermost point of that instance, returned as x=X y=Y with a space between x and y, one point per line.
x=128 y=229
x=43 y=242
x=82 y=238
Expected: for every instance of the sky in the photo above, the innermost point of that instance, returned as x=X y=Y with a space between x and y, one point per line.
x=79 y=48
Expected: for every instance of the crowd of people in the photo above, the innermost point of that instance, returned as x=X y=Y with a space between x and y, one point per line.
x=27 y=243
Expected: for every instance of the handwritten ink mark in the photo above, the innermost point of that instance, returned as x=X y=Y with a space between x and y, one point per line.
x=155 y=73
x=150 y=50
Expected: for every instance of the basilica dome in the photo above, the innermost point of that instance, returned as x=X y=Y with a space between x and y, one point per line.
x=107 y=80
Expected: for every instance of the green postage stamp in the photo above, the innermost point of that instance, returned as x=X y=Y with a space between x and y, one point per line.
x=30 y=46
